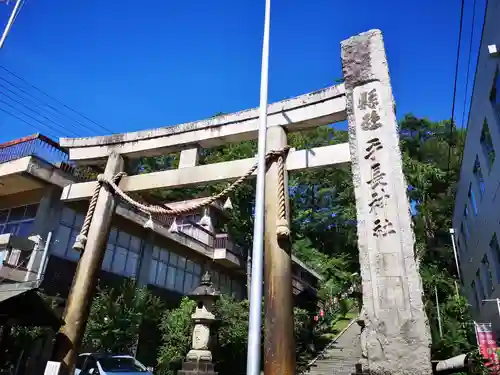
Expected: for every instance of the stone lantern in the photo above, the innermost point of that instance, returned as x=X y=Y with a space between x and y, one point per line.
x=199 y=358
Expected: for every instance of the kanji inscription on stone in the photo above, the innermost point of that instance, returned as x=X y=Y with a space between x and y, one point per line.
x=371 y=121
x=383 y=227
x=378 y=177
x=368 y=99
x=374 y=145
x=379 y=194
x=378 y=188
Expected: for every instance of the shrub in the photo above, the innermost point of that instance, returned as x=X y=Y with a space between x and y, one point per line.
x=231 y=327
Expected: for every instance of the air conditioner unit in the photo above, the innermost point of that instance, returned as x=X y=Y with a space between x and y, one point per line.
x=493 y=50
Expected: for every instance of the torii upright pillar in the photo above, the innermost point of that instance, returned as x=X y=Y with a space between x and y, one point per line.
x=69 y=339
x=279 y=342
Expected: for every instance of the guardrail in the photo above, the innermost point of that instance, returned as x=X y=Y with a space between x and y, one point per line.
x=47 y=150
x=34 y=145
x=223 y=241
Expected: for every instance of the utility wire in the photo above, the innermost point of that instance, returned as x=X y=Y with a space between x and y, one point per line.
x=40 y=114
x=46 y=104
x=469 y=60
x=57 y=101
x=475 y=74
x=27 y=115
x=455 y=83
x=27 y=123
x=32 y=102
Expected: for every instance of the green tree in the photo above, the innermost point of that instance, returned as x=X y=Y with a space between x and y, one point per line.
x=176 y=327
x=116 y=318
x=231 y=336
x=323 y=211
x=23 y=339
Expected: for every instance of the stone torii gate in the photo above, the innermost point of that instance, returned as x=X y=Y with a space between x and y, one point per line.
x=396 y=337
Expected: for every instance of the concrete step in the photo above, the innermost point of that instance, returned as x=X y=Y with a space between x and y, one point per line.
x=342 y=356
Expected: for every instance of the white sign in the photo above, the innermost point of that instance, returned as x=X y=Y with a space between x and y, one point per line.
x=52 y=368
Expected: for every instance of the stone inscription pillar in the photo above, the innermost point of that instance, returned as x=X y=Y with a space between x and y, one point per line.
x=396 y=337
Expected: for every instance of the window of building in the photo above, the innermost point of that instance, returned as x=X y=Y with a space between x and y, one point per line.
x=487 y=144
x=173 y=271
x=18 y=220
x=69 y=227
x=460 y=249
x=494 y=94
x=462 y=239
x=17 y=258
x=465 y=225
x=495 y=252
x=474 y=292
x=237 y=289
x=486 y=276
x=189 y=219
x=122 y=250
x=472 y=200
x=479 y=287
x=227 y=285
x=478 y=175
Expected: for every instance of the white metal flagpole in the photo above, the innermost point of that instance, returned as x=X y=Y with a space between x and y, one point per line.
x=455 y=254
x=255 y=319
x=10 y=21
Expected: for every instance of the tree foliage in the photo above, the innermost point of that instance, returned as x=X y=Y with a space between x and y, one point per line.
x=324 y=234
x=21 y=340
x=231 y=330
x=176 y=327
x=116 y=317
x=324 y=213
x=323 y=218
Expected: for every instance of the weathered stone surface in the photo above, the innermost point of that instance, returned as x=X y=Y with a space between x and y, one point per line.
x=199 y=358
x=396 y=336
x=197 y=367
x=201 y=336
x=199 y=355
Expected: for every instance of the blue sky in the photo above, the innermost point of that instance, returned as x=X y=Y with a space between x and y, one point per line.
x=132 y=65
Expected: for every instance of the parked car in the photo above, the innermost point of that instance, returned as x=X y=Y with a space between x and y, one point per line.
x=107 y=364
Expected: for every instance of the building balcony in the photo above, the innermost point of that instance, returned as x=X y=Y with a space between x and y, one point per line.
x=217 y=246
x=36 y=145
x=227 y=253
x=31 y=162
x=300 y=286
x=15 y=255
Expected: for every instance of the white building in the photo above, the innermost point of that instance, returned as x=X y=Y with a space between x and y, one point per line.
x=476 y=217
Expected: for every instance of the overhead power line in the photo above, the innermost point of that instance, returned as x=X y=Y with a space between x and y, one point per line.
x=57 y=101
x=29 y=116
x=475 y=74
x=43 y=104
x=469 y=61
x=452 y=120
x=61 y=126
x=42 y=107
x=49 y=133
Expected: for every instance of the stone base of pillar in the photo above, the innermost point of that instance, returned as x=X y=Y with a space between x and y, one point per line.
x=197 y=368
x=359 y=370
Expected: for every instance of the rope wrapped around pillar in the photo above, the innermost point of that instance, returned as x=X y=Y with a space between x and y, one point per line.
x=81 y=239
x=282 y=226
